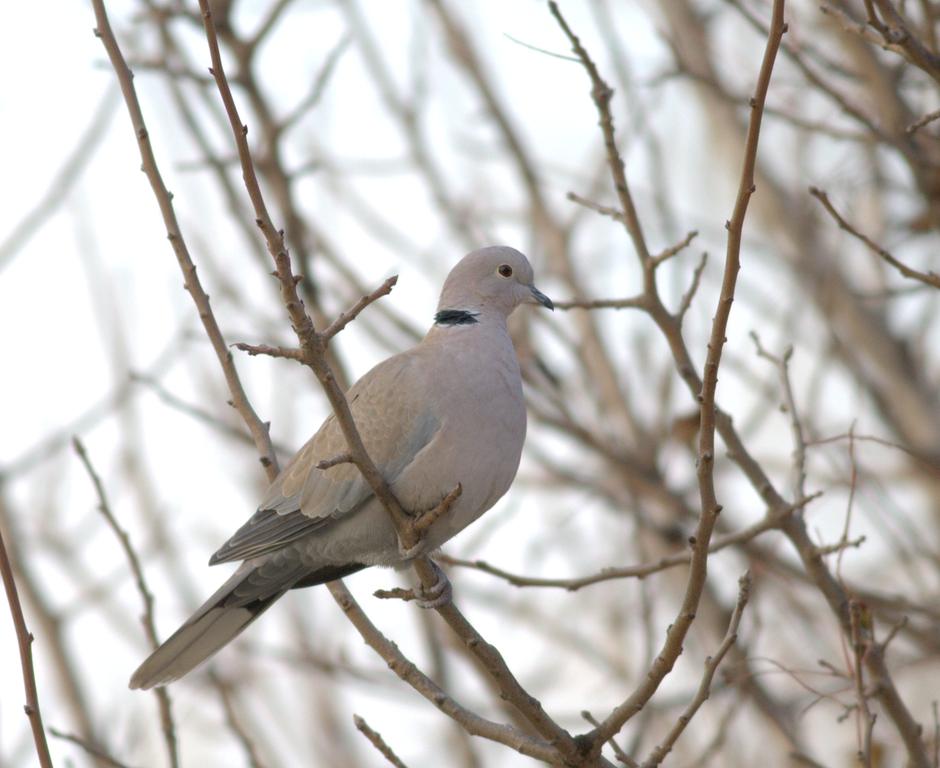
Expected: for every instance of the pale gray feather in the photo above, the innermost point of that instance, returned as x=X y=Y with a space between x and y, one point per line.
x=449 y=411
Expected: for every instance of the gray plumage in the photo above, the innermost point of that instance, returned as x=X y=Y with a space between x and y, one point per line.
x=447 y=411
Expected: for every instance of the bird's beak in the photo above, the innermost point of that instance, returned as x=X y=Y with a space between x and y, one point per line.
x=540 y=298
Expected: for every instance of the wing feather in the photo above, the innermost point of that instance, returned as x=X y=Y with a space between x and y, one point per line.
x=395 y=424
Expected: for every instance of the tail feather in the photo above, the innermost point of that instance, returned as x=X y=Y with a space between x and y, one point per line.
x=211 y=627
x=251 y=590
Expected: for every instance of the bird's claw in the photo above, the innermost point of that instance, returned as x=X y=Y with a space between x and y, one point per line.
x=437 y=596
x=410 y=553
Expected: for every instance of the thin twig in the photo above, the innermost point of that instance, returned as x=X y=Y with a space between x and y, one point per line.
x=710 y=415
x=426 y=519
x=704 y=689
x=686 y=301
x=622 y=756
x=146 y=596
x=604 y=210
x=341 y=458
x=634 y=302
x=231 y=718
x=196 y=412
x=316 y=92
x=407 y=671
x=770 y=521
x=929 y=278
x=288 y=353
x=273 y=237
x=925 y=120
x=345 y=318
x=782 y=364
x=24 y=639
x=96 y=752
x=378 y=742
x=602 y=93
x=258 y=429
x=861 y=638
x=672 y=250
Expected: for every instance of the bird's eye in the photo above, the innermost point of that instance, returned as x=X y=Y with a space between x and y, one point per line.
x=505 y=270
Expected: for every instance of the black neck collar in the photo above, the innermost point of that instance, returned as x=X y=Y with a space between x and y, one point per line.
x=455 y=317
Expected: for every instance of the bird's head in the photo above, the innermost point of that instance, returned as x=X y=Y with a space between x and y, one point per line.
x=495 y=278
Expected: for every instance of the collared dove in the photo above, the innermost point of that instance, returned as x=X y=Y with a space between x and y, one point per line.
x=448 y=411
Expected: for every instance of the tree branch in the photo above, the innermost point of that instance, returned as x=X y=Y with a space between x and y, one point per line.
x=258 y=429
x=928 y=278
x=711 y=667
x=24 y=639
x=378 y=742
x=146 y=596
x=710 y=416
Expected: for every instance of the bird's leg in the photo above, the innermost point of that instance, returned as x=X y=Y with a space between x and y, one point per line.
x=422 y=522
x=439 y=595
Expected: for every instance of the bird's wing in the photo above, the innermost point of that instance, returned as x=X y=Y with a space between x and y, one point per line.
x=394 y=419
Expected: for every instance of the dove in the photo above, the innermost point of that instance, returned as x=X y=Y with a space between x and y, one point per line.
x=448 y=412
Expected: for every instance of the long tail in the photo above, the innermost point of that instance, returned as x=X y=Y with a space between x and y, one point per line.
x=239 y=601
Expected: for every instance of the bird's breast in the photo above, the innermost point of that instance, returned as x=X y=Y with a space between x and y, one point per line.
x=482 y=420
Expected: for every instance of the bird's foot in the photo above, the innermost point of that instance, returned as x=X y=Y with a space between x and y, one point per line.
x=410 y=553
x=438 y=595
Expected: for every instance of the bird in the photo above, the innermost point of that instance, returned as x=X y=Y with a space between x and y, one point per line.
x=448 y=412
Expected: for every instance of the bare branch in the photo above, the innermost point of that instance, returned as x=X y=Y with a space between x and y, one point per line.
x=604 y=210
x=313 y=347
x=672 y=250
x=711 y=667
x=929 y=278
x=233 y=722
x=341 y=458
x=771 y=521
x=288 y=353
x=622 y=756
x=378 y=742
x=782 y=365
x=352 y=313
x=635 y=302
x=258 y=428
x=601 y=93
x=407 y=671
x=686 y=302
x=94 y=751
x=925 y=120
x=25 y=640
x=861 y=638
x=273 y=237
x=146 y=596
